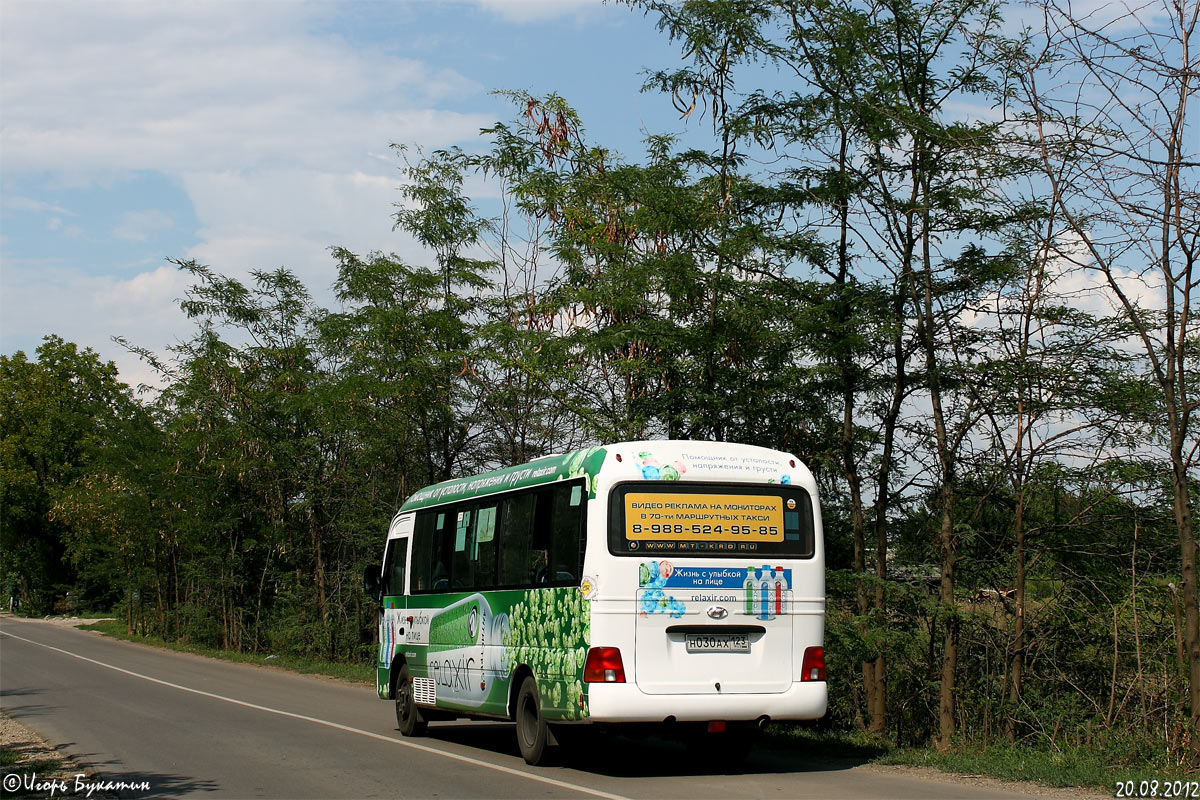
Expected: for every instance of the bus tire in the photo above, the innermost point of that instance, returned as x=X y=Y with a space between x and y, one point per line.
x=408 y=716
x=532 y=734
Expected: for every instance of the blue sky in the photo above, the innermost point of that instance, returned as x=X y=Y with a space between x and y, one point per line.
x=254 y=135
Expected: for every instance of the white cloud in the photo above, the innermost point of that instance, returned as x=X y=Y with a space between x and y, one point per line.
x=10 y=202
x=288 y=217
x=136 y=226
x=538 y=10
x=1120 y=16
x=276 y=129
x=165 y=284
x=172 y=86
x=44 y=298
x=1077 y=276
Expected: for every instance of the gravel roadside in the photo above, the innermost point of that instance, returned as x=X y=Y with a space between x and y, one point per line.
x=32 y=767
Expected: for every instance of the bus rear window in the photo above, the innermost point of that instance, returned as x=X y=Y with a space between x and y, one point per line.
x=669 y=517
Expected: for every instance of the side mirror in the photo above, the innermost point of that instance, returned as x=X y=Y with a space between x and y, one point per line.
x=371 y=580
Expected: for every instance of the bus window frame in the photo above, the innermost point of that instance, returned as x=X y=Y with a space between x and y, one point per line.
x=452 y=509
x=385 y=580
x=615 y=535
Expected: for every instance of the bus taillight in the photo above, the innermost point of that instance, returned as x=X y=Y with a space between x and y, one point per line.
x=813 y=666
x=604 y=665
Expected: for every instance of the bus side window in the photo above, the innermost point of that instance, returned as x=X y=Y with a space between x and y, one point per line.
x=422 y=560
x=483 y=555
x=539 y=549
x=443 y=550
x=566 y=530
x=516 y=535
x=463 y=569
x=395 y=563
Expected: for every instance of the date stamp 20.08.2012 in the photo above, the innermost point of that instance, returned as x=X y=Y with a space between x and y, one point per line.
x=1183 y=790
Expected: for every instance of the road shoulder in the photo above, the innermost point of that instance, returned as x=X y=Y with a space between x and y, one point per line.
x=40 y=768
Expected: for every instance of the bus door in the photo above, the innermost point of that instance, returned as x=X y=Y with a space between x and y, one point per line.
x=393 y=624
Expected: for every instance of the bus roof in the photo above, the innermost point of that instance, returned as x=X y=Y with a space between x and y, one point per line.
x=706 y=460
x=577 y=463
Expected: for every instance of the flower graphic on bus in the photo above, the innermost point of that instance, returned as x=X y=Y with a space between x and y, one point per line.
x=585 y=463
x=549 y=630
x=652 y=577
x=654 y=470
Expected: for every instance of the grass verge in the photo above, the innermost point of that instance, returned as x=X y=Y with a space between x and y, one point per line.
x=352 y=673
x=1058 y=767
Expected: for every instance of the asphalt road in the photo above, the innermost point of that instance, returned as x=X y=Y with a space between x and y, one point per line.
x=191 y=726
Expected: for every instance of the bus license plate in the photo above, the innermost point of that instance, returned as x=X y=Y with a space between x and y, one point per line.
x=716 y=643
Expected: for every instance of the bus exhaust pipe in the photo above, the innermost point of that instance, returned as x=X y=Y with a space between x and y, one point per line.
x=763 y=722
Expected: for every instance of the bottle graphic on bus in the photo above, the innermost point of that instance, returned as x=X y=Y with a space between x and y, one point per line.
x=764 y=589
x=750 y=591
x=777 y=574
x=461 y=650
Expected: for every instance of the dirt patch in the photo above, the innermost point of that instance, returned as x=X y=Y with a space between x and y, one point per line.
x=73 y=622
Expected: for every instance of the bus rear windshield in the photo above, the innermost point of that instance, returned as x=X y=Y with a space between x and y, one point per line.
x=667 y=517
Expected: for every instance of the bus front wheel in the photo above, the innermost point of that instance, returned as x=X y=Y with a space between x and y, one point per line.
x=408 y=717
x=532 y=734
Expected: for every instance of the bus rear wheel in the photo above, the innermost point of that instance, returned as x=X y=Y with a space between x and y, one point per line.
x=408 y=717
x=532 y=734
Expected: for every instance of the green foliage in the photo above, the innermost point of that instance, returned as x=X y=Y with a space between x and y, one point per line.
x=58 y=415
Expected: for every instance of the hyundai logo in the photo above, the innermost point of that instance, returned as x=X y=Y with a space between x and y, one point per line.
x=717 y=612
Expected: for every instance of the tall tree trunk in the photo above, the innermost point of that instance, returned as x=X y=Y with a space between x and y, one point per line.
x=927 y=332
x=319 y=581
x=1017 y=664
x=883 y=489
x=1184 y=523
x=946 y=692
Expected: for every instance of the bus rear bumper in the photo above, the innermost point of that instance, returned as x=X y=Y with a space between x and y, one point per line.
x=625 y=702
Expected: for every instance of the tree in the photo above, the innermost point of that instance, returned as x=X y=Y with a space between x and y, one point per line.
x=55 y=414
x=119 y=532
x=854 y=324
x=1054 y=389
x=442 y=219
x=249 y=425
x=1109 y=101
